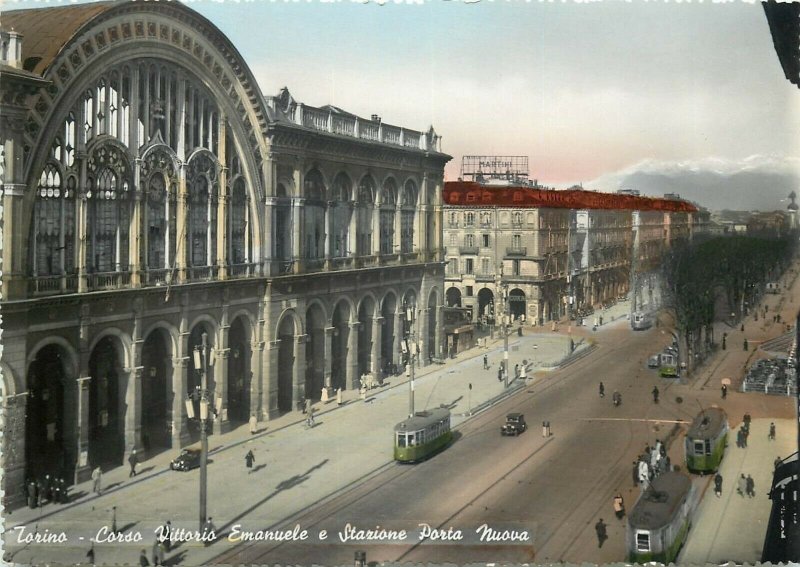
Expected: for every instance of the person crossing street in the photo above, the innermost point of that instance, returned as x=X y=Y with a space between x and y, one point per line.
x=655 y=394
x=249 y=459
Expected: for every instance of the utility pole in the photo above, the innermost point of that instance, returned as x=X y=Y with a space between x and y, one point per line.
x=503 y=287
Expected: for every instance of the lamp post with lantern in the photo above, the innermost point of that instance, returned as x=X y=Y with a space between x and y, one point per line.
x=410 y=342
x=204 y=397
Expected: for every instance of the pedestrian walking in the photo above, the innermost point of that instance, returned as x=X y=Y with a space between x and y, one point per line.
x=655 y=394
x=771 y=436
x=751 y=486
x=741 y=486
x=33 y=496
x=500 y=374
x=747 y=419
x=544 y=429
x=249 y=458
x=253 y=424
x=338 y=396
x=143 y=562
x=745 y=344
x=523 y=372
x=133 y=460
x=739 y=439
x=619 y=506
x=158 y=553
x=166 y=535
x=114 y=519
x=744 y=437
x=47 y=488
x=90 y=555
x=602 y=390
x=485 y=362
x=516 y=371
x=718 y=485
x=547 y=426
x=602 y=535
x=97 y=480
x=307 y=406
x=724 y=391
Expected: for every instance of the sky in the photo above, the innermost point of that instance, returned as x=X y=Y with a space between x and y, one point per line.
x=681 y=97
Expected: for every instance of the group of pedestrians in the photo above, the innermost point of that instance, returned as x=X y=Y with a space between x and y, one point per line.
x=47 y=489
x=746 y=486
x=744 y=432
x=650 y=464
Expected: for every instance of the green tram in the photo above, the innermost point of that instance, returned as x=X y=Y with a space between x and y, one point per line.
x=422 y=435
x=660 y=519
x=706 y=441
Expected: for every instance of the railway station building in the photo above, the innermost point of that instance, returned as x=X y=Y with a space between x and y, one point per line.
x=152 y=195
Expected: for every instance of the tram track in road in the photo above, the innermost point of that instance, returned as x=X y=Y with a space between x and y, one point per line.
x=358 y=491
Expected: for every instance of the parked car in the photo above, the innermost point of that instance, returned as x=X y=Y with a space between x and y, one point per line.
x=654 y=361
x=514 y=425
x=188 y=459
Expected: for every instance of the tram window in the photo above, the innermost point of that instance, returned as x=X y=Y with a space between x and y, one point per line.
x=642 y=541
x=411 y=442
x=401 y=439
x=699 y=447
x=708 y=446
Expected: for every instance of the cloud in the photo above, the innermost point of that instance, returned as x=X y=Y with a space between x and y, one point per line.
x=757 y=182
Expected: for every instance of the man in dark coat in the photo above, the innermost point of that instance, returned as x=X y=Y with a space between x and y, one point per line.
x=143 y=562
x=750 y=486
x=33 y=494
x=602 y=536
x=133 y=460
x=249 y=458
x=718 y=485
x=655 y=394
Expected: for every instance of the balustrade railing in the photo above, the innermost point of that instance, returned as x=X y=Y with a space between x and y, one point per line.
x=344 y=125
x=369 y=131
x=314 y=118
x=108 y=280
x=158 y=277
x=202 y=272
x=241 y=270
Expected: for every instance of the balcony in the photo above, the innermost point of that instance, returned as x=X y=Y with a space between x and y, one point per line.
x=108 y=280
x=468 y=250
x=158 y=277
x=200 y=273
x=341 y=263
x=519 y=251
x=52 y=285
x=241 y=270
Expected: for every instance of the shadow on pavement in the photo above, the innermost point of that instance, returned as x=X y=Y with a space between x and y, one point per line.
x=287 y=484
x=127 y=527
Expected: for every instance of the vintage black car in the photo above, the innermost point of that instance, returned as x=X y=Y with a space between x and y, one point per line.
x=514 y=425
x=188 y=459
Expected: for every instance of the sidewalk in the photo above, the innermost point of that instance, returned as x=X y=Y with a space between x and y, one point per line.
x=740 y=535
x=296 y=468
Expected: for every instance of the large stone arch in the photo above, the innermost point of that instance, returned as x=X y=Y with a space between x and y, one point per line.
x=287 y=328
x=183 y=39
x=316 y=323
x=159 y=349
x=239 y=389
x=391 y=314
x=109 y=402
x=341 y=318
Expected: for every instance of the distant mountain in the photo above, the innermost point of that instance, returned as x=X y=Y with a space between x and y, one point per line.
x=715 y=184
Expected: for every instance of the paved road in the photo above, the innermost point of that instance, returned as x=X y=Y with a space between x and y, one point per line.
x=555 y=489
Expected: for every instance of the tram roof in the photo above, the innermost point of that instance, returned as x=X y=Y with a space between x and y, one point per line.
x=658 y=505
x=708 y=424
x=422 y=419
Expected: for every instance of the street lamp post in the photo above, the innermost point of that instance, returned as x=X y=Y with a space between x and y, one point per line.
x=203 y=396
x=503 y=288
x=410 y=347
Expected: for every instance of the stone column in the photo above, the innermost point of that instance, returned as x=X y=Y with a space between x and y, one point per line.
x=377 y=343
x=299 y=374
x=223 y=226
x=399 y=318
x=133 y=414
x=179 y=421
x=269 y=401
x=327 y=389
x=83 y=470
x=328 y=227
x=221 y=422
x=376 y=230
x=136 y=237
x=182 y=225
x=256 y=356
x=297 y=231
x=352 y=379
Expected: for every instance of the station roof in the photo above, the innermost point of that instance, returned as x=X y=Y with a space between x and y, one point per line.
x=46 y=30
x=658 y=505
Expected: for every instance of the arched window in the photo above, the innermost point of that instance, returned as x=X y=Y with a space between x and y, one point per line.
x=314 y=213
x=54 y=224
x=388 y=208
x=409 y=209
x=239 y=222
x=202 y=233
x=365 y=205
x=109 y=204
x=341 y=216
